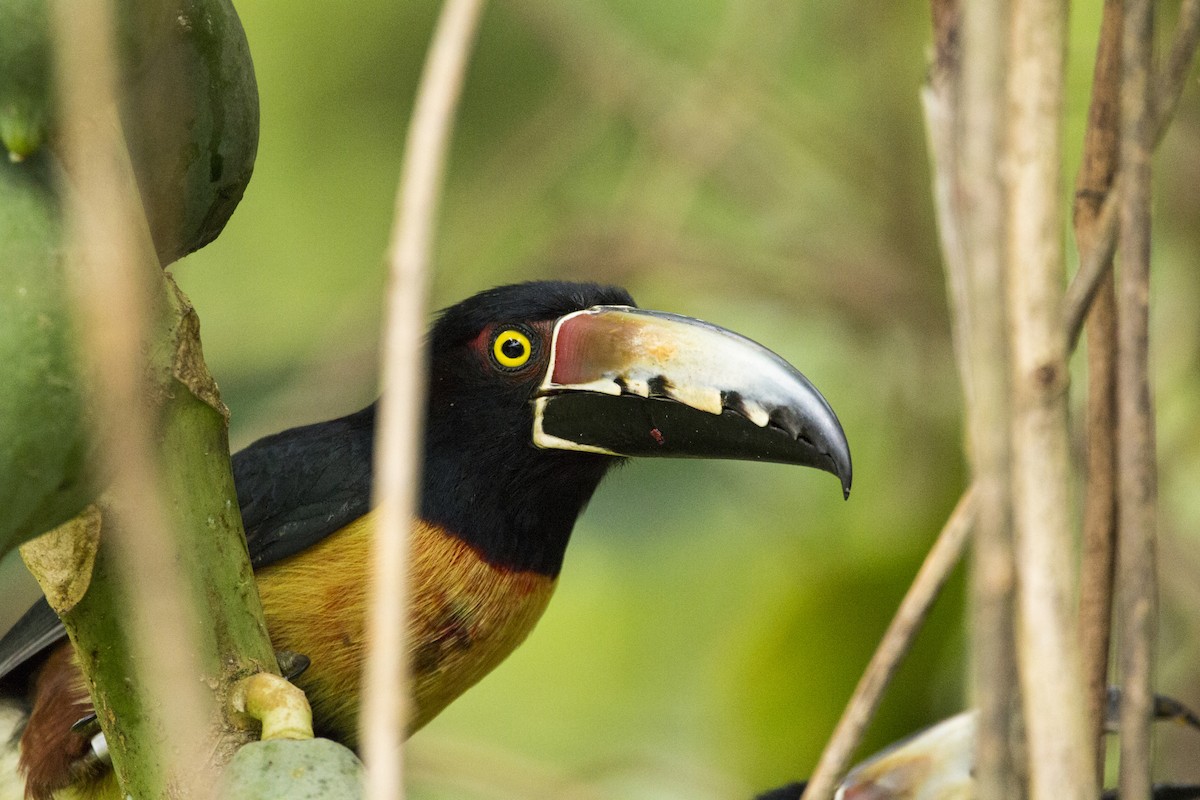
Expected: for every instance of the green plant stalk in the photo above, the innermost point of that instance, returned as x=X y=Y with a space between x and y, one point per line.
x=203 y=513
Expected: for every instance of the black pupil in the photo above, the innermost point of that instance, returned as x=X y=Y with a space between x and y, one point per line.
x=513 y=348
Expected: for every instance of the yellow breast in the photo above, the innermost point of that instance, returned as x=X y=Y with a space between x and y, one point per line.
x=467 y=616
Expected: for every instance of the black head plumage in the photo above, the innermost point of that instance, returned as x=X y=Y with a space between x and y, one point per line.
x=532 y=301
x=483 y=478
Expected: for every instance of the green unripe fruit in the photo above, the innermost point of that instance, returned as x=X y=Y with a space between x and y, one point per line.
x=42 y=442
x=24 y=76
x=189 y=109
x=190 y=117
x=315 y=769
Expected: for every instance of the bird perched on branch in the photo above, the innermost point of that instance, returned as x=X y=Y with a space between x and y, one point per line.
x=535 y=392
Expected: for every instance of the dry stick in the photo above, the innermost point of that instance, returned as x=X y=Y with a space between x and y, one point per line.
x=1170 y=82
x=983 y=203
x=112 y=276
x=846 y=737
x=1169 y=88
x=1135 y=412
x=1048 y=656
x=1098 y=565
x=941 y=100
x=1092 y=184
x=941 y=104
x=385 y=705
x=935 y=571
x=1094 y=265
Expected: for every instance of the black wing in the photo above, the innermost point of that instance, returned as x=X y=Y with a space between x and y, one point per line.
x=37 y=629
x=297 y=487
x=294 y=488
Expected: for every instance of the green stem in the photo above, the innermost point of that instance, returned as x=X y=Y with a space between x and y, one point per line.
x=203 y=513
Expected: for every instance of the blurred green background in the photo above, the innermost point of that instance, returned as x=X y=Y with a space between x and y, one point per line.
x=757 y=163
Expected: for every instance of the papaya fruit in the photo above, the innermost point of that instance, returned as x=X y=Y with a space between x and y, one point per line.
x=189 y=107
x=189 y=111
x=42 y=441
x=24 y=76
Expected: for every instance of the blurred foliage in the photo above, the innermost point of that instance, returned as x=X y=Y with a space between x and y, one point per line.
x=758 y=163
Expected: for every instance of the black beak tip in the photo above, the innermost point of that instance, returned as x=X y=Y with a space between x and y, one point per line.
x=846 y=477
x=841 y=466
x=837 y=464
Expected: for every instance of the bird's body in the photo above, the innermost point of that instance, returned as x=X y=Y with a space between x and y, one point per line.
x=466 y=617
x=535 y=391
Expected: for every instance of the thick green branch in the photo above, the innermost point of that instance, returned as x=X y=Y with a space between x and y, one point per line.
x=202 y=511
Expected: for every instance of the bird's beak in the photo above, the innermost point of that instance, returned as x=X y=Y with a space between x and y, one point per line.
x=628 y=382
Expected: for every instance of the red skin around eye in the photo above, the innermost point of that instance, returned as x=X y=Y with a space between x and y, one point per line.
x=480 y=343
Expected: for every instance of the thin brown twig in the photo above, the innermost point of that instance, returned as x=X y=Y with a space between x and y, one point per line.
x=1094 y=265
x=941 y=105
x=1169 y=87
x=1170 y=83
x=1092 y=184
x=113 y=276
x=1137 y=572
x=385 y=705
x=1082 y=289
x=966 y=89
x=1099 y=541
x=943 y=557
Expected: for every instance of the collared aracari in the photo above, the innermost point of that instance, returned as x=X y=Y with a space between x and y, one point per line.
x=535 y=392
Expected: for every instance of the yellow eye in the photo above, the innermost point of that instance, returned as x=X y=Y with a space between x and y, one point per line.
x=511 y=349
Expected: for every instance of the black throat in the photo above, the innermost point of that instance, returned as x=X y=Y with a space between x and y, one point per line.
x=487 y=484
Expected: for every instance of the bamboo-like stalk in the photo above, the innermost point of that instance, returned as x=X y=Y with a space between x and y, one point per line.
x=1094 y=183
x=113 y=280
x=979 y=129
x=1137 y=574
x=385 y=703
x=1048 y=656
x=943 y=557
